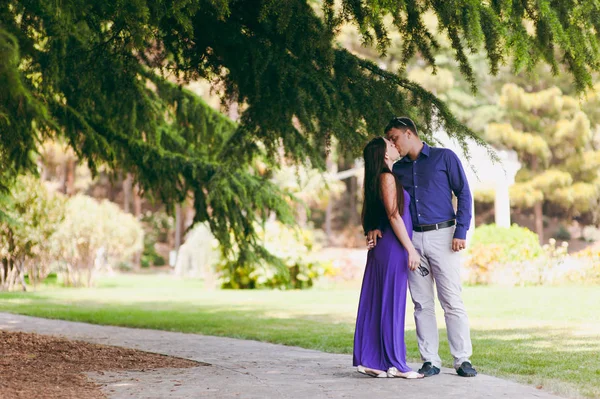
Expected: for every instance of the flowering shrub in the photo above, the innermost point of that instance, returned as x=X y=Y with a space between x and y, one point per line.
x=513 y=256
x=497 y=252
x=588 y=267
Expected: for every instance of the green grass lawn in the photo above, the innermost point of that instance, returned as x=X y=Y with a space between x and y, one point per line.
x=544 y=336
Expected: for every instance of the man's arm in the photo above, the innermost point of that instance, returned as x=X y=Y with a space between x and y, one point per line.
x=460 y=188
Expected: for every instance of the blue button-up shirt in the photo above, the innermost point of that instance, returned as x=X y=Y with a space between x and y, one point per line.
x=430 y=180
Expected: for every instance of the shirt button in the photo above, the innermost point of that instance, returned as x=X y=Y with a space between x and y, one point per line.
x=417 y=200
x=419 y=214
x=416 y=186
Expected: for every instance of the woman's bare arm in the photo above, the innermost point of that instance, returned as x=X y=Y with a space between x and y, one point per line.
x=390 y=202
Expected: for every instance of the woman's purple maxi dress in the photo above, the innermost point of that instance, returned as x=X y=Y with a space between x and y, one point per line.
x=379 y=335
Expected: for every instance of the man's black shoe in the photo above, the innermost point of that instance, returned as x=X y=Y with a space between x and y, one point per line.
x=429 y=370
x=466 y=370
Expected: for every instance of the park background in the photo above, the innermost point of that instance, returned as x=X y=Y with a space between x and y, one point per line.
x=87 y=242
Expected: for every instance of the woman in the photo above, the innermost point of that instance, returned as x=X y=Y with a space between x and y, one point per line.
x=379 y=348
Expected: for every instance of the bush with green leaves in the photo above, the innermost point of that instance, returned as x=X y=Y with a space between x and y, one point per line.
x=513 y=256
x=588 y=267
x=156 y=230
x=298 y=269
x=29 y=217
x=562 y=233
x=88 y=229
x=499 y=253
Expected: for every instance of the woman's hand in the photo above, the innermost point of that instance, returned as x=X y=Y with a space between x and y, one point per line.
x=414 y=259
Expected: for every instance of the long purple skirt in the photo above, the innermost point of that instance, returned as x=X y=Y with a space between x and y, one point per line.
x=379 y=335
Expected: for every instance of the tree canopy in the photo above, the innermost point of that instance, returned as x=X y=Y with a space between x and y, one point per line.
x=106 y=76
x=553 y=138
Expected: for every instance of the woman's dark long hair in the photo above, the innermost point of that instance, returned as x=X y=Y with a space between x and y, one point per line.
x=373 y=210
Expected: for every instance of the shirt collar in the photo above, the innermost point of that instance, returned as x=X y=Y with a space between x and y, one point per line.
x=424 y=151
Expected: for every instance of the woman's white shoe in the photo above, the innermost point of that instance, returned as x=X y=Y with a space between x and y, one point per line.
x=371 y=372
x=409 y=375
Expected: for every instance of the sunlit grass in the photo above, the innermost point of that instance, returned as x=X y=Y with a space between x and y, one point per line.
x=544 y=336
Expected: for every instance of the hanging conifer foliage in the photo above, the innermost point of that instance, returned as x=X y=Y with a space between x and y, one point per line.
x=97 y=73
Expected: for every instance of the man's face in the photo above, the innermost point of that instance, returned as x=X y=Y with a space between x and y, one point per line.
x=400 y=139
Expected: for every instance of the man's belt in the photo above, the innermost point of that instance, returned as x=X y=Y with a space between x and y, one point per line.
x=437 y=226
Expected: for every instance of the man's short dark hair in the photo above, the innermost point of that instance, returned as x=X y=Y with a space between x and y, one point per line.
x=403 y=123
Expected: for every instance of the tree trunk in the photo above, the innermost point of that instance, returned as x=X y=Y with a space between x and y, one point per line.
x=63 y=177
x=35 y=272
x=127 y=185
x=9 y=263
x=111 y=188
x=538 y=213
x=178 y=224
x=539 y=220
x=137 y=211
x=21 y=274
x=90 y=267
x=353 y=191
x=11 y=275
x=329 y=209
x=70 y=177
x=137 y=201
x=68 y=274
x=328 y=218
x=4 y=272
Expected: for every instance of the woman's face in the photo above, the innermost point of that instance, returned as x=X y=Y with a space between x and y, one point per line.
x=391 y=151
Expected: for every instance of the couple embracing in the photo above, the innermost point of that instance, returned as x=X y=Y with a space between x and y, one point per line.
x=414 y=238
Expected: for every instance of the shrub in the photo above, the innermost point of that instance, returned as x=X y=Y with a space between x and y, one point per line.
x=29 y=216
x=591 y=234
x=562 y=233
x=494 y=249
x=150 y=257
x=588 y=270
x=295 y=247
x=159 y=224
x=159 y=261
x=514 y=257
x=156 y=230
x=91 y=228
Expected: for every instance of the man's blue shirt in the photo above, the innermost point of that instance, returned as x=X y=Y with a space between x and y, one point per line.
x=430 y=180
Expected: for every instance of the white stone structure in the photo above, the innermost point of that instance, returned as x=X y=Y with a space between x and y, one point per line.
x=482 y=173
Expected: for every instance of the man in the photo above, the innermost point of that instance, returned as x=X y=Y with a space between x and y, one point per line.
x=431 y=175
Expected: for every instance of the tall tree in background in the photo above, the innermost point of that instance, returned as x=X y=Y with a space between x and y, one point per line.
x=555 y=143
x=95 y=72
